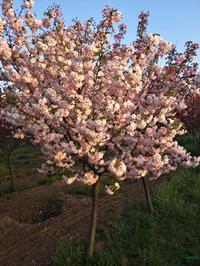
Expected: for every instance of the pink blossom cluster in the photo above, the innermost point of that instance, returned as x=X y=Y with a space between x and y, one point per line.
x=88 y=100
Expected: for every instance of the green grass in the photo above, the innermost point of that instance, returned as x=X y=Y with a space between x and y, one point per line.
x=169 y=237
x=50 y=178
x=3 y=169
x=18 y=188
x=25 y=159
x=189 y=144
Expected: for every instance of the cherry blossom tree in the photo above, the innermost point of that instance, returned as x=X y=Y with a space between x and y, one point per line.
x=191 y=115
x=87 y=98
x=186 y=67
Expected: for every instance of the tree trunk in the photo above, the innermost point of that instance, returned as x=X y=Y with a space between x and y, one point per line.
x=147 y=194
x=193 y=141
x=198 y=151
x=93 y=222
x=10 y=173
x=198 y=146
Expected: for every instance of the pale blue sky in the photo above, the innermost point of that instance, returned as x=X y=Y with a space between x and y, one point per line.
x=176 y=20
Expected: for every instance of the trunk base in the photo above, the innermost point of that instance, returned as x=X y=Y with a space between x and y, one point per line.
x=93 y=223
x=147 y=194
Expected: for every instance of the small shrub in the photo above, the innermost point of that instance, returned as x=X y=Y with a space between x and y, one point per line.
x=70 y=253
x=53 y=208
x=50 y=178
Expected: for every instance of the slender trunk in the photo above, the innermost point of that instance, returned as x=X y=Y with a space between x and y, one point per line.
x=198 y=150
x=147 y=194
x=198 y=146
x=193 y=141
x=93 y=222
x=10 y=173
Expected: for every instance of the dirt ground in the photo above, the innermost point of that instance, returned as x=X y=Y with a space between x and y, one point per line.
x=29 y=233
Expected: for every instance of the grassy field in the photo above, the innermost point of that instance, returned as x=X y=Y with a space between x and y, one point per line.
x=25 y=161
x=170 y=236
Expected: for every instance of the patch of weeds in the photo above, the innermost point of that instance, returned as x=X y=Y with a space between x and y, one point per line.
x=53 y=207
x=79 y=189
x=3 y=170
x=70 y=253
x=26 y=158
x=50 y=178
x=18 y=188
